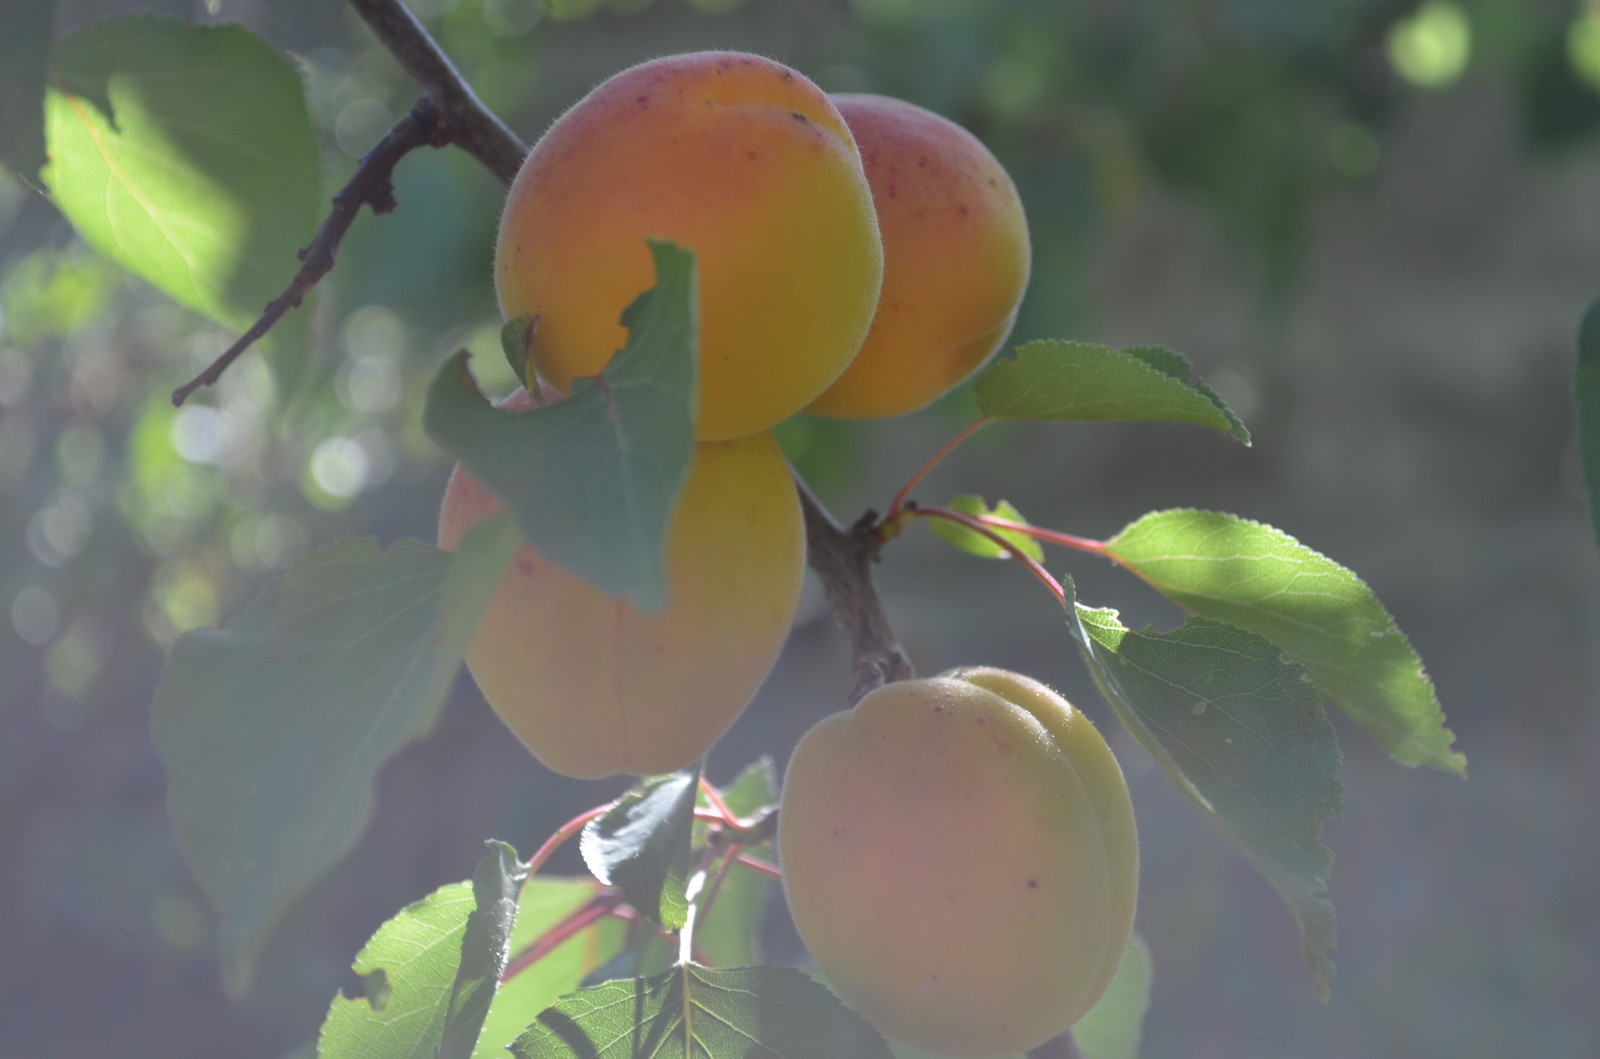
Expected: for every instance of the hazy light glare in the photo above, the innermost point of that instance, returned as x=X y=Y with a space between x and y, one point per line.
x=1433 y=46
x=34 y=615
x=340 y=467
x=1583 y=47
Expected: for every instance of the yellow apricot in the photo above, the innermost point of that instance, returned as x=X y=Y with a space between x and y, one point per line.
x=960 y=857
x=746 y=162
x=956 y=258
x=593 y=686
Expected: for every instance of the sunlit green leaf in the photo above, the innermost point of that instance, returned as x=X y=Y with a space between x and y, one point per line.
x=1053 y=379
x=642 y=845
x=545 y=903
x=752 y=1011
x=593 y=479
x=1586 y=386
x=1242 y=731
x=272 y=728
x=730 y=935
x=1321 y=614
x=26 y=29
x=185 y=153
x=1112 y=1028
x=483 y=949
x=976 y=543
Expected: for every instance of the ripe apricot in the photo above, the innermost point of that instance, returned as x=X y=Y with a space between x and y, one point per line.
x=956 y=258
x=592 y=686
x=960 y=857
x=741 y=159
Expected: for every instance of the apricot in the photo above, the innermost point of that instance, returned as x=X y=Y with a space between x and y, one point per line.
x=960 y=857
x=741 y=159
x=956 y=259
x=593 y=686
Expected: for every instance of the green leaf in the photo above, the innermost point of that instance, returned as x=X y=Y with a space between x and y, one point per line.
x=1586 y=388
x=26 y=30
x=730 y=935
x=483 y=949
x=1054 y=379
x=691 y=1012
x=1242 y=731
x=411 y=970
x=272 y=729
x=976 y=543
x=642 y=845
x=516 y=342
x=1112 y=1028
x=415 y=955
x=1321 y=614
x=546 y=901
x=593 y=479
x=185 y=153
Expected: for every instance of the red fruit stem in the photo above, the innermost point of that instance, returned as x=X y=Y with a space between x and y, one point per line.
x=721 y=807
x=568 y=829
x=899 y=502
x=760 y=867
x=1034 y=566
x=597 y=907
x=1049 y=536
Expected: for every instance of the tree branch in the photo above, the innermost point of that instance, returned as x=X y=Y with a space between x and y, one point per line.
x=372 y=185
x=843 y=559
x=465 y=121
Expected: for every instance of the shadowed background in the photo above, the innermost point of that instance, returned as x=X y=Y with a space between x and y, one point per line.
x=1374 y=228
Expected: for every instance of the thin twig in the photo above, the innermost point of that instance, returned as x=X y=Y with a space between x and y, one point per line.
x=843 y=559
x=372 y=185
x=1035 y=567
x=899 y=502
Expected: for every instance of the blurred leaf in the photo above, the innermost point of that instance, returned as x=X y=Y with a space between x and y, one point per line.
x=1112 y=1028
x=483 y=949
x=976 y=543
x=593 y=479
x=1322 y=616
x=272 y=728
x=545 y=903
x=1242 y=731
x=1053 y=379
x=642 y=845
x=730 y=935
x=26 y=30
x=185 y=153
x=1586 y=387
x=690 y=1011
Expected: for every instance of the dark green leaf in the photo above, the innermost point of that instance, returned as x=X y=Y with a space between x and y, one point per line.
x=185 y=153
x=1242 y=731
x=26 y=30
x=593 y=479
x=272 y=729
x=642 y=845
x=516 y=342
x=1112 y=1028
x=750 y=1012
x=976 y=543
x=483 y=949
x=1053 y=379
x=1586 y=387
x=730 y=934
x=1321 y=614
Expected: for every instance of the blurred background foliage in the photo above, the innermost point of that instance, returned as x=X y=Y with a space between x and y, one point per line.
x=126 y=522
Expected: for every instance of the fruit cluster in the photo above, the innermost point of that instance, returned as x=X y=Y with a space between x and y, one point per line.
x=959 y=852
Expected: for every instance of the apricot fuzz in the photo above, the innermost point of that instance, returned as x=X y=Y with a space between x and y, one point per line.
x=959 y=855
x=737 y=157
x=956 y=259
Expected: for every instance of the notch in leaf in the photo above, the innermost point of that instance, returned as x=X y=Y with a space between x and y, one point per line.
x=642 y=845
x=592 y=480
x=1051 y=379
